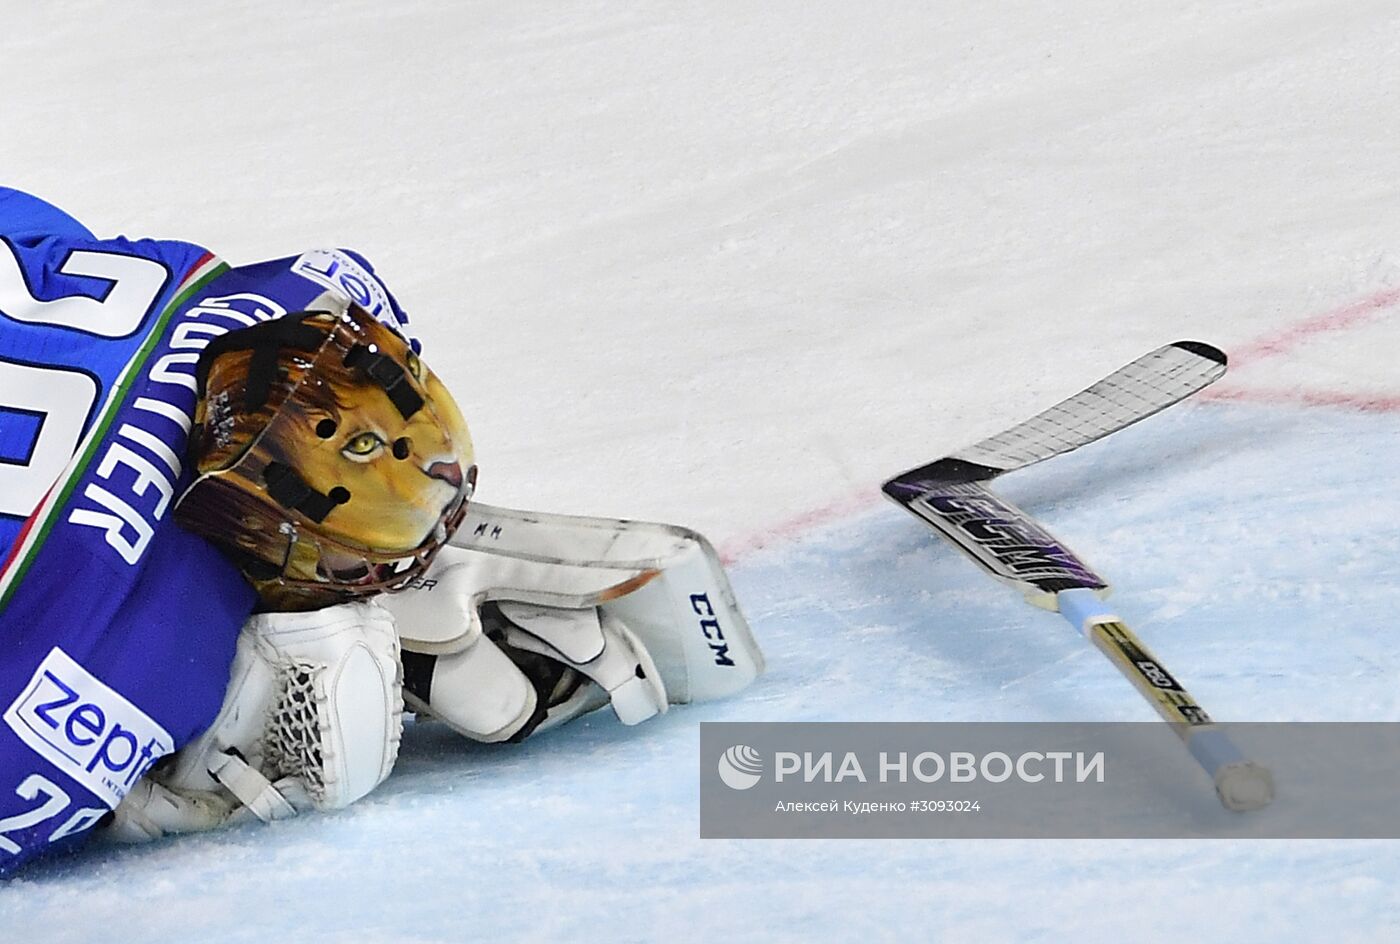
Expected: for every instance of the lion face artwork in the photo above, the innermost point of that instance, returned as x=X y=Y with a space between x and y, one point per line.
x=332 y=461
x=401 y=473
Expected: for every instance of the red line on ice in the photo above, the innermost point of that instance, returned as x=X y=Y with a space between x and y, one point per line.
x=844 y=507
x=1278 y=342
x=1348 y=316
x=1351 y=315
x=1360 y=402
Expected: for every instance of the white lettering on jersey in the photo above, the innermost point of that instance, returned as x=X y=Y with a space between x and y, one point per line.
x=60 y=400
x=127 y=525
x=140 y=490
x=134 y=284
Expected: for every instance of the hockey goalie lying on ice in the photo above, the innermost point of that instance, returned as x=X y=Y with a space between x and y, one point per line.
x=238 y=537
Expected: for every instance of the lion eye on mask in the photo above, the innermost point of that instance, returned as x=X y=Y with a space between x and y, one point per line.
x=362 y=447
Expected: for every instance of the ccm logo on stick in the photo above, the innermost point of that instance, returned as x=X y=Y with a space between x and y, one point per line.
x=86 y=729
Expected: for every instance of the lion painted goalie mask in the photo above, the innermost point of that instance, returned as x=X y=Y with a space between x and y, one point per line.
x=330 y=462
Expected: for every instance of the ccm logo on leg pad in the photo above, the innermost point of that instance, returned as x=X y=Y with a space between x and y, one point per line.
x=86 y=729
x=709 y=625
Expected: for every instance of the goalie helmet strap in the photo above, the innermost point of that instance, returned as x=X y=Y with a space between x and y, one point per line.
x=266 y=341
x=389 y=375
x=290 y=491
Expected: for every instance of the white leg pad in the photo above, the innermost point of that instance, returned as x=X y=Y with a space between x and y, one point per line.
x=603 y=649
x=690 y=622
x=479 y=692
x=644 y=611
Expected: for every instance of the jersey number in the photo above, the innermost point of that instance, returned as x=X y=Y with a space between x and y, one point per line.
x=55 y=802
x=52 y=404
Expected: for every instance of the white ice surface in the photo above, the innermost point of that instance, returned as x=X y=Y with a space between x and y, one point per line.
x=731 y=264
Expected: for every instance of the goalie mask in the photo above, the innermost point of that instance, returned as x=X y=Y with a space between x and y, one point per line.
x=330 y=462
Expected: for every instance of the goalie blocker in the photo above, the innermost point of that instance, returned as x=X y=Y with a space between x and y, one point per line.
x=527 y=620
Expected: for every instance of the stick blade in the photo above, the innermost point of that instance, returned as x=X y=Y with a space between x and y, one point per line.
x=1003 y=540
x=1137 y=390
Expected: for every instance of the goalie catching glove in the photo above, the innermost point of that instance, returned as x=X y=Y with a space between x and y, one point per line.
x=311 y=720
x=527 y=620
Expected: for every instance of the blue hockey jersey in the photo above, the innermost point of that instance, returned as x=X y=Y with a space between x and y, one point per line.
x=117 y=627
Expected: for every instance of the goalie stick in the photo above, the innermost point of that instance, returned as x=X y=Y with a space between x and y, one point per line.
x=950 y=494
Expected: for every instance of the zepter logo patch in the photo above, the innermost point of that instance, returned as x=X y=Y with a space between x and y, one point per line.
x=86 y=729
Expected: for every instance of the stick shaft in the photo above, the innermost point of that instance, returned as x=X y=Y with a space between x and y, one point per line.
x=1210 y=746
x=951 y=496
